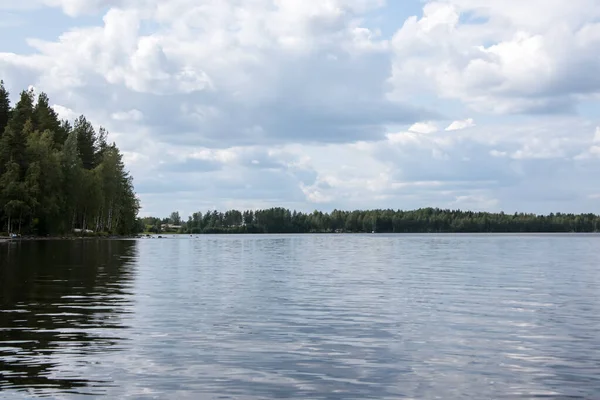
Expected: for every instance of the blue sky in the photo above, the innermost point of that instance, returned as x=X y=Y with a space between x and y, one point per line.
x=471 y=104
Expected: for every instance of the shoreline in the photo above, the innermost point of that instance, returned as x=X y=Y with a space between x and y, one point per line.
x=5 y=239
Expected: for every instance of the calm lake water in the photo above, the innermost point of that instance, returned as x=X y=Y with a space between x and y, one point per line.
x=305 y=317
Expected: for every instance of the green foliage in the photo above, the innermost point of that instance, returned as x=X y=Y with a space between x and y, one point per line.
x=46 y=119
x=57 y=179
x=4 y=108
x=175 y=219
x=86 y=142
x=427 y=220
x=22 y=112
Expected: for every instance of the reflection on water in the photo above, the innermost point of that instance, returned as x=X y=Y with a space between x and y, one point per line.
x=311 y=316
x=60 y=304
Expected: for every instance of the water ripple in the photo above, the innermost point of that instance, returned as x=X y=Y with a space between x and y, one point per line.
x=307 y=316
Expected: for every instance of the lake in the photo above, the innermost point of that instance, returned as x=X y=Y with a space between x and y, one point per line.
x=302 y=316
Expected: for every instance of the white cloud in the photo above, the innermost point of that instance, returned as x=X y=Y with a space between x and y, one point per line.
x=458 y=125
x=75 y=8
x=64 y=112
x=424 y=127
x=496 y=153
x=540 y=148
x=310 y=105
x=131 y=115
x=596 y=135
x=314 y=194
x=504 y=63
x=247 y=72
x=233 y=41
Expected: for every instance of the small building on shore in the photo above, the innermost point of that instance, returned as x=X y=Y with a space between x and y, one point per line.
x=170 y=227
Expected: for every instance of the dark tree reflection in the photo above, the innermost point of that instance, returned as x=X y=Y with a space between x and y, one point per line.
x=61 y=300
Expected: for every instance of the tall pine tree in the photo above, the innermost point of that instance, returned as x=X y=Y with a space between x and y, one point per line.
x=45 y=118
x=22 y=112
x=4 y=107
x=86 y=142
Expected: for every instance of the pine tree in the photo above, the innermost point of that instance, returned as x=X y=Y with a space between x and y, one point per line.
x=22 y=112
x=4 y=108
x=45 y=118
x=86 y=142
x=63 y=132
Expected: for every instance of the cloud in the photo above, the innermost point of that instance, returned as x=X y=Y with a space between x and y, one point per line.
x=131 y=115
x=316 y=105
x=74 y=8
x=423 y=127
x=496 y=153
x=596 y=138
x=226 y=72
x=458 y=125
x=64 y=112
x=504 y=63
x=593 y=151
x=475 y=203
x=482 y=168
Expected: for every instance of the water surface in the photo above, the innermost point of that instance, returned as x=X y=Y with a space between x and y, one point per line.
x=302 y=316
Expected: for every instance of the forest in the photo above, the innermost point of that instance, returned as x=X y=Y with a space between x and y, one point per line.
x=426 y=220
x=57 y=177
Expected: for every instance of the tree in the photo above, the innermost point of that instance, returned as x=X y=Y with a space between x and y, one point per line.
x=101 y=143
x=86 y=142
x=13 y=146
x=14 y=196
x=91 y=199
x=248 y=217
x=175 y=219
x=4 y=108
x=22 y=112
x=54 y=178
x=426 y=220
x=130 y=206
x=45 y=118
x=45 y=181
x=72 y=178
x=120 y=205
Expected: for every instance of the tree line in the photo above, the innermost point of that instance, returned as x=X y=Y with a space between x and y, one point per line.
x=57 y=177
x=426 y=220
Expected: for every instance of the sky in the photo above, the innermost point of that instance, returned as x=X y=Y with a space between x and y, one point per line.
x=483 y=105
